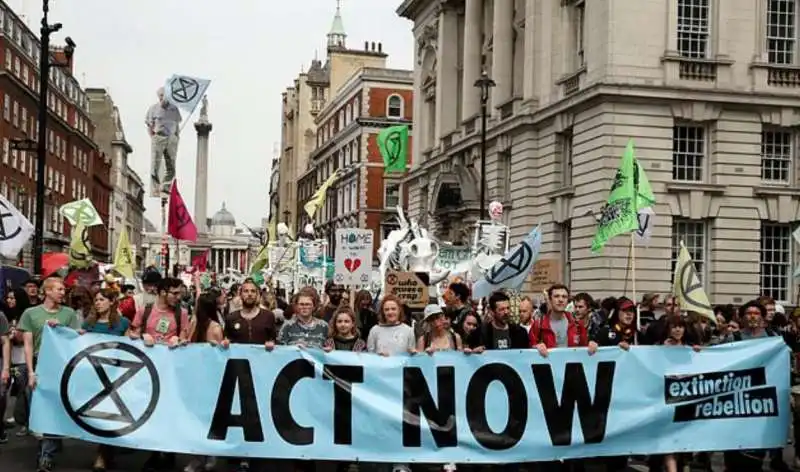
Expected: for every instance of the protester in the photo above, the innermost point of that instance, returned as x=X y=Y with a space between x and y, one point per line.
x=557 y=328
x=163 y=321
x=104 y=318
x=304 y=329
x=5 y=371
x=392 y=335
x=334 y=295
x=343 y=334
x=438 y=336
x=252 y=324
x=366 y=316
x=32 y=323
x=31 y=287
x=150 y=283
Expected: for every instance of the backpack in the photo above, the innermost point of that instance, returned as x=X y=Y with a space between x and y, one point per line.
x=148 y=309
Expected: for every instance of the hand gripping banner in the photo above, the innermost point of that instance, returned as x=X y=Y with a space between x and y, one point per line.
x=498 y=407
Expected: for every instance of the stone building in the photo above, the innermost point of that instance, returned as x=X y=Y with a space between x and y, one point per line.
x=709 y=93
x=363 y=196
x=75 y=167
x=305 y=100
x=228 y=245
x=127 y=198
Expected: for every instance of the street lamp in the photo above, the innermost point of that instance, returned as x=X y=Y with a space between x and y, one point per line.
x=484 y=83
x=45 y=64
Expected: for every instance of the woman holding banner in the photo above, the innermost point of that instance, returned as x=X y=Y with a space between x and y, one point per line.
x=104 y=318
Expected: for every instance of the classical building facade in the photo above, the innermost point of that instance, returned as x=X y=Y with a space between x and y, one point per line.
x=228 y=246
x=305 y=100
x=364 y=196
x=127 y=197
x=75 y=167
x=709 y=93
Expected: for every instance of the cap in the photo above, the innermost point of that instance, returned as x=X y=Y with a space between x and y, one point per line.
x=431 y=311
x=626 y=305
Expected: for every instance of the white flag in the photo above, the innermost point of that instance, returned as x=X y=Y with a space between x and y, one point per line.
x=185 y=92
x=646 y=217
x=15 y=229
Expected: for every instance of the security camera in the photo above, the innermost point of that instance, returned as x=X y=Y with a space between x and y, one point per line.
x=56 y=27
x=70 y=42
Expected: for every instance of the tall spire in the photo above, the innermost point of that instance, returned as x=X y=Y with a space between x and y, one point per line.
x=337 y=35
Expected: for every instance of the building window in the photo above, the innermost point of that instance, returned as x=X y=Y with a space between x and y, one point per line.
x=781 y=31
x=6 y=148
x=688 y=152
x=394 y=106
x=693 y=28
x=566 y=252
x=391 y=196
x=15 y=115
x=579 y=31
x=776 y=156
x=564 y=142
x=693 y=235
x=775 y=263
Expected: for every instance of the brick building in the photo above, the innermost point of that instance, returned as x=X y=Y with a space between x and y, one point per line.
x=75 y=168
x=364 y=196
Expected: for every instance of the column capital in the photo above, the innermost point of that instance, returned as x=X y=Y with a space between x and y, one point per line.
x=203 y=129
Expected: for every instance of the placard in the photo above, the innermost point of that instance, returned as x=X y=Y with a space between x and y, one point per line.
x=545 y=273
x=410 y=287
x=353 y=257
x=456 y=259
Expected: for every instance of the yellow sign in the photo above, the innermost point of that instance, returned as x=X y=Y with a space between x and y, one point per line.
x=410 y=287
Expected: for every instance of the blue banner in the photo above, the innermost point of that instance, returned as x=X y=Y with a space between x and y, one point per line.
x=497 y=407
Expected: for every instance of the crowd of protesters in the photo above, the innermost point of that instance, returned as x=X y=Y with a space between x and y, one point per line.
x=168 y=312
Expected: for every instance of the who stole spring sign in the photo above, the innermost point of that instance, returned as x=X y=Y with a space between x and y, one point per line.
x=353 y=257
x=502 y=406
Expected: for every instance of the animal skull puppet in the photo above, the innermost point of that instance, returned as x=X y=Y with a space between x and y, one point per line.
x=410 y=248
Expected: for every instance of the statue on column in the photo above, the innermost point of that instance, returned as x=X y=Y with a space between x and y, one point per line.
x=163 y=124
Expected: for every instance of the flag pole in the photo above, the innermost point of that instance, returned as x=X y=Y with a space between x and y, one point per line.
x=633 y=284
x=164 y=237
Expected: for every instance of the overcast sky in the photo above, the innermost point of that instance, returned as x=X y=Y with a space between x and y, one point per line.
x=250 y=49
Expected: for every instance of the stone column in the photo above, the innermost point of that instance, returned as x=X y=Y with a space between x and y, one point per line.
x=473 y=26
x=503 y=52
x=446 y=73
x=203 y=128
x=529 y=75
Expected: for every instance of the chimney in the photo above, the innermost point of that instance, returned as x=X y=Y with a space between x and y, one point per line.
x=366 y=45
x=380 y=47
x=373 y=47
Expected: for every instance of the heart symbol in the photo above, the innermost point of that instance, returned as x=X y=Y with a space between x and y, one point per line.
x=352 y=264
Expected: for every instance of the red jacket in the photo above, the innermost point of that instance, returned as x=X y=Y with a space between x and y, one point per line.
x=540 y=332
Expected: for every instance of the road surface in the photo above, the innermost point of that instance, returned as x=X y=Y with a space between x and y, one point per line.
x=19 y=455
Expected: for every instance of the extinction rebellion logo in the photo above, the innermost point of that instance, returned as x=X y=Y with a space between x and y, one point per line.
x=721 y=395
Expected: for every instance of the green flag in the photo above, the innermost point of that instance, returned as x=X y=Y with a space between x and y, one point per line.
x=393 y=145
x=620 y=212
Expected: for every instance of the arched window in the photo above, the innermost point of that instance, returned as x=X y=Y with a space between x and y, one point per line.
x=394 y=106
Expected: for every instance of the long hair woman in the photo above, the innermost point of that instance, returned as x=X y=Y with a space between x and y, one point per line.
x=206 y=327
x=104 y=318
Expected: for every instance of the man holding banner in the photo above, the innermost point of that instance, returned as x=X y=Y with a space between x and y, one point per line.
x=32 y=323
